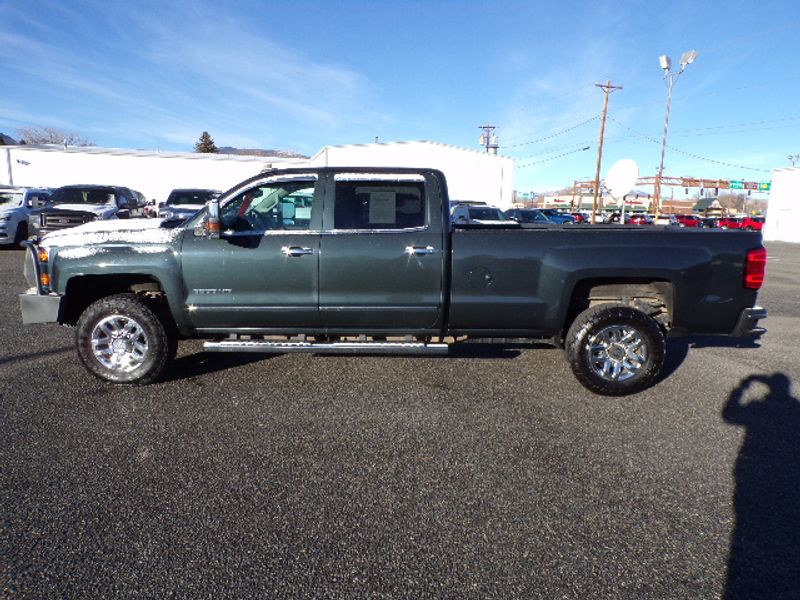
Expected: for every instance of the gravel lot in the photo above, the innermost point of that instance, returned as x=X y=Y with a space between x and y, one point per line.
x=490 y=474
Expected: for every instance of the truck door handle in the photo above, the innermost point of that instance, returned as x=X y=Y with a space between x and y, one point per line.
x=420 y=250
x=296 y=251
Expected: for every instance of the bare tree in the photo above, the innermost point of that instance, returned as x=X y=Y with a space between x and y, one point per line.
x=52 y=135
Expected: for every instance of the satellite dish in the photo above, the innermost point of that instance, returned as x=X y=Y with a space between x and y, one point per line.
x=621 y=177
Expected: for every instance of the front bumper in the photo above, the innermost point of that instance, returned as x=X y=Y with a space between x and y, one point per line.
x=38 y=308
x=38 y=304
x=748 y=323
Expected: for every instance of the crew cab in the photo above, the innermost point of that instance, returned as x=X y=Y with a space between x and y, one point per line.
x=16 y=204
x=348 y=260
x=73 y=205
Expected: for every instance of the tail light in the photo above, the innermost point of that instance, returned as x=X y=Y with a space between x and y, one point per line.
x=754 y=268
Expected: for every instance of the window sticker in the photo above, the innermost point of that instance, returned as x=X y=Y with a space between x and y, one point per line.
x=382 y=206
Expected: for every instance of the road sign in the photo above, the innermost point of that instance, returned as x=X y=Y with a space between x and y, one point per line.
x=737 y=185
x=765 y=186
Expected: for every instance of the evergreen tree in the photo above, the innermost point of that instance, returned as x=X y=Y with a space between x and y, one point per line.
x=206 y=144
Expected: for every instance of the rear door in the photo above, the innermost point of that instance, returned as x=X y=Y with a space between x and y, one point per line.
x=262 y=272
x=382 y=253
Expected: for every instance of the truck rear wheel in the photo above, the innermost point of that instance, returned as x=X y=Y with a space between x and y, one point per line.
x=120 y=339
x=615 y=350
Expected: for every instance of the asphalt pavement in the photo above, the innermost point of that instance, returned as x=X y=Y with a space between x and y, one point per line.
x=488 y=474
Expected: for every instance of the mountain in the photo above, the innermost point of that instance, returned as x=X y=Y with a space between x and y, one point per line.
x=259 y=152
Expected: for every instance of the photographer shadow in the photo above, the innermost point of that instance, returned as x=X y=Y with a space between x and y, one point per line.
x=764 y=560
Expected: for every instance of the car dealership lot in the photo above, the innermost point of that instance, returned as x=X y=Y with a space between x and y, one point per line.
x=491 y=473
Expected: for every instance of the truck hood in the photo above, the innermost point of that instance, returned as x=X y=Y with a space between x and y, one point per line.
x=101 y=210
x=114 y=232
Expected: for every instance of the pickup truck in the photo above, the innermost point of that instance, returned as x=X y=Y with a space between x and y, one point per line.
x=73 y=205
x=349 y=260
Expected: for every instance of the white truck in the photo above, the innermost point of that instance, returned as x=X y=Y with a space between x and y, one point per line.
x=15 y=206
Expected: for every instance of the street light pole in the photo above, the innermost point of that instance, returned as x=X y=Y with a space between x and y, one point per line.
x=666 y=64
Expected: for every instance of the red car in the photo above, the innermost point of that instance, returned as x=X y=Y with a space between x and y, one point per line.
x=640 y=220
x=731 y=222
x=753 y=223
x=688 y=220
x=580 y=217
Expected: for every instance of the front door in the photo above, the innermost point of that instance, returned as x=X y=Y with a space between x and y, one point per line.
x=382 y=254
x=262 y=272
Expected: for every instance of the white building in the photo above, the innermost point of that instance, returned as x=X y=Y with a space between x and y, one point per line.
x=153 y=173
x=471 y=175
x=783 y=215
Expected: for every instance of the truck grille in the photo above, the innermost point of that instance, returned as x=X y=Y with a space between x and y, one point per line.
x=65 y=219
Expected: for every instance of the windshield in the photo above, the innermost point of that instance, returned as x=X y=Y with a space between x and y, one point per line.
x=83 y=196
x=10 y=199
x=529 y=216
x=198 y=197
x=487 y=214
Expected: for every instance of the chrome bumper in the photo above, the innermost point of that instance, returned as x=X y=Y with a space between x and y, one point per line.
x=37 y=308
x=748 y=323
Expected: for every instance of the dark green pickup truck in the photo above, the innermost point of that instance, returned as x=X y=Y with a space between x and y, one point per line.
x=350 y=260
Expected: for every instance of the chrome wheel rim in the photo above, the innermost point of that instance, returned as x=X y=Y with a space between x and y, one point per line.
x=119 y=343
x=617 y=352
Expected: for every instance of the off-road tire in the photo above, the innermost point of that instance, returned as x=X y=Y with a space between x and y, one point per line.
x=131 y=344
x=615 y=350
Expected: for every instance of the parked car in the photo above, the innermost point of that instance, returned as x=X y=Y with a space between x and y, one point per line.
x=557 y=216
x=753 y=223
x=467 y=214
x=709 y=222
x=16 y=204
x=73 y=205
x=183 y=203
x=639 y=219
x=581 y=217
x=731 y=222
x=528 y=216
x=688 y=220
x=378 y=269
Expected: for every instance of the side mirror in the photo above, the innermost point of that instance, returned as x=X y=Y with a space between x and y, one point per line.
x=212 y=223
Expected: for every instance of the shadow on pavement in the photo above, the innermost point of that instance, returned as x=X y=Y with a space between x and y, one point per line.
x=203 y=363
x=764 y=560
x=34 y=355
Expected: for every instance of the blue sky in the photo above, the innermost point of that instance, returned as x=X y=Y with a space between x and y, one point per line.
x=302 y=75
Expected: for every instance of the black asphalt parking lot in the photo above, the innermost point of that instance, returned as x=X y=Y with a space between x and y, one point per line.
x=488 y=474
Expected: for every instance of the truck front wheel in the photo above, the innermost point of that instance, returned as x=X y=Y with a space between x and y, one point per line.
x=121 y=340
x=615 y=350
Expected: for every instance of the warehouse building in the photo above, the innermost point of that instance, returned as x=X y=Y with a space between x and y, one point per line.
x=471 y=175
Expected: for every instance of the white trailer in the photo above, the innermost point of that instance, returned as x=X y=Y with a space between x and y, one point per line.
x=783 y=214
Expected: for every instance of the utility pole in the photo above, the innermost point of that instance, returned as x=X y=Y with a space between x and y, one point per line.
x=489 y=139
x=793 y=158
x=607 y=89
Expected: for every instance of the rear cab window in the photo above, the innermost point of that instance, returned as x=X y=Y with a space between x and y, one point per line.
x=373 y=202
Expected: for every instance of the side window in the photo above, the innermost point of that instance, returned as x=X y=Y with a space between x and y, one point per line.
x=379 y=204
x=275 y=206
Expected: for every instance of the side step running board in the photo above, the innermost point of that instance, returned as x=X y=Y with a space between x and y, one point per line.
x=326 y=347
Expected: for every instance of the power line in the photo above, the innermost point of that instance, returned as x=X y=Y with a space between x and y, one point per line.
x=538 y=162
x=697 y=156
x=548 y=137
